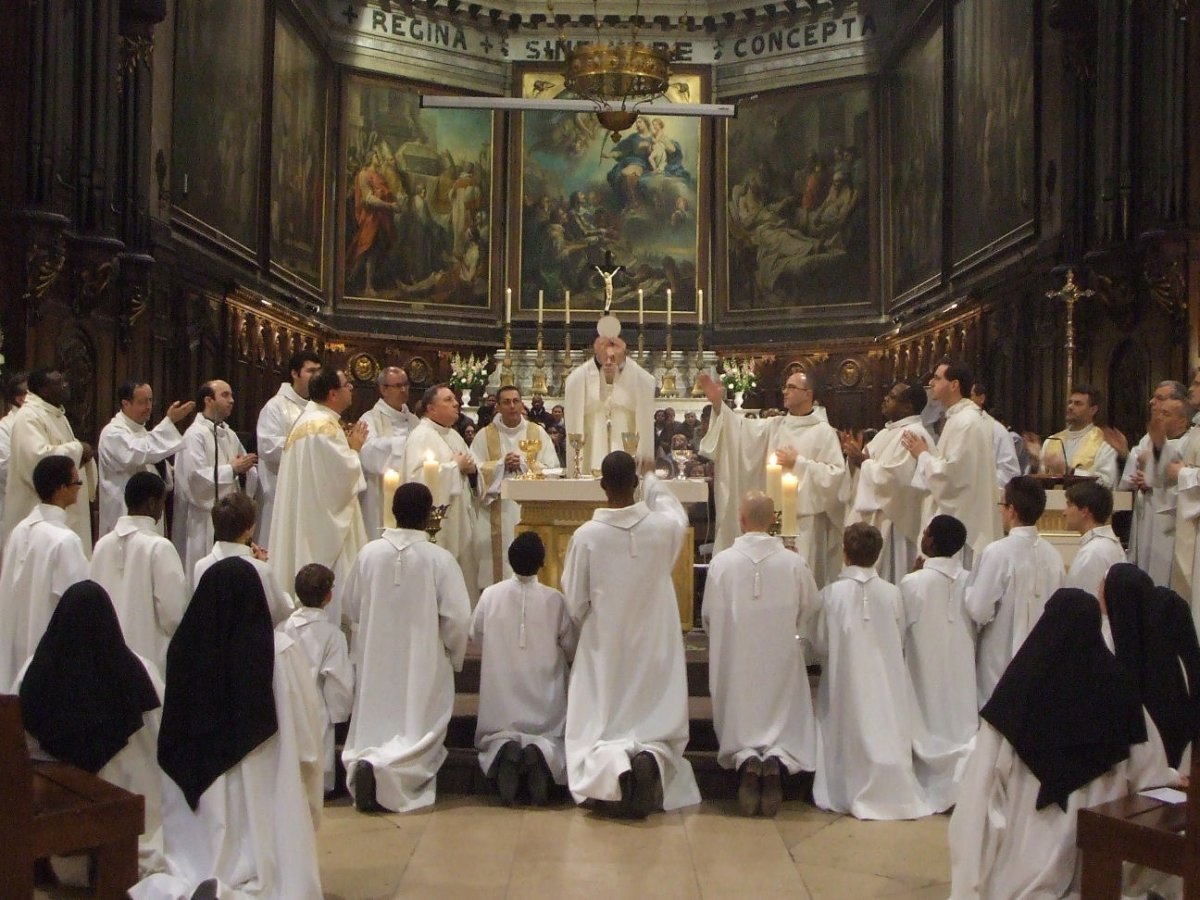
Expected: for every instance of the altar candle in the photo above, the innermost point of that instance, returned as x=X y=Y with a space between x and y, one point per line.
x=641 y=311
x=391 y=481
x=789 y=484
x=567 y=308
x=774 y=481
x=699 y=307
x=431 y=475
x=508 y=304
x=668 y=307
x=539 y=307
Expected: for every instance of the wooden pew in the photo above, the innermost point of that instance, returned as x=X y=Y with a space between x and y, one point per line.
x=54 y=809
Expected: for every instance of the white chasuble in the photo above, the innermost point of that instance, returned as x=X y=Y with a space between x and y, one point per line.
x=124 y=449
x=602 y=412
x=275 y=421
x=387 y=433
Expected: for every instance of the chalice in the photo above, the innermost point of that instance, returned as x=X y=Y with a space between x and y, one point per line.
x=434 y=523
x=629 y=442
x=682 y=458
x=577 y=442
x=530 y=447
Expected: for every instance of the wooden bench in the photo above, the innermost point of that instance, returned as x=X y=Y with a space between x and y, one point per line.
x=54 y=809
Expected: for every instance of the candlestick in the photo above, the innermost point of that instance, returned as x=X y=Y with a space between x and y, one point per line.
x=789 y=483
x=567 y=307
x=775 y=481
x=391 y=481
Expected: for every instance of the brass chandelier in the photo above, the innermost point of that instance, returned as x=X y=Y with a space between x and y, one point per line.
x=615 y=76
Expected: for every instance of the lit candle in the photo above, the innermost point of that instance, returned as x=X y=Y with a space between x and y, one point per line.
x=789 y=485
x=508 y=304
x=641 y=309
x=391 y=481
x=567 y=308
x=431 y=475
x=539 y=307
x=668 y=307
x=699 y=307
x=774 y=481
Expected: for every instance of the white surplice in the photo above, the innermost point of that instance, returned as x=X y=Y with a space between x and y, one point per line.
x=1084 y=445
x=141 y=571
x=498 y=519
x=739 y=447
x=42 y=558
x=939 y=650
x=124 y=449
x=864 y=719
x=275 y=421
x=760 y=601
x=1013 y=579
x=409 y=602
x=332 y=673
x=387 y=433
x=528 y=640
x=196 y=492
x=1152 y=534
x=602 y=412
x=6 y=425
x=960 y=473
x=279 y=601
x=881 y=493
x=1099 y=550
x=628 y=690
x=41 y=430
x=254 y=829
x=1008 y=466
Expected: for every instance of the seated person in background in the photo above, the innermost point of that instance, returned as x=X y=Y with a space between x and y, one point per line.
x=1088 y=509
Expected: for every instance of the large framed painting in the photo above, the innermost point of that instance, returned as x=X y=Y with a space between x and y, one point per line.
x=299 y=156
x=416 y=200
x=217 y=121
x=580 y=193
x=915 y=197
x=994 y=174
x=798 y=205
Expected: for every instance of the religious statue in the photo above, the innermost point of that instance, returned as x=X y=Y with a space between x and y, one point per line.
x=608 y=285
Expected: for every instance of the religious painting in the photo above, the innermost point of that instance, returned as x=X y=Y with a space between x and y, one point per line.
x=300 y=113
x=589 y=200
x=797 y=202
x=416 y=198
x=915 y=116
x=993 y=127
x=218 y=114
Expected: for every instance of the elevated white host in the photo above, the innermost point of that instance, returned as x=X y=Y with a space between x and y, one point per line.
x=608 y=326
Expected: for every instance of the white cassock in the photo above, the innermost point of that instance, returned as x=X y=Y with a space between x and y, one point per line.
x=125 y=448
x=498 y=521
x=1185 y=569
x=387 y=433
x=759 y=604
x=1002 y=845
x=1152 y=534
x=204 y=472
x=409 y=601
x=960 y=474
x=528 y=640
x=6 y=425
x=254 y=829
x=1008 y=466
x=41 y=430
x=332 y=673
x=460 y=523
x=628 y=690
x=275 y=421
x=602 y=412
x=42 y=558
x=317 y=515
x=1099 y=550
x=881 y=493
x=279 y=601
x=141 y=571
x=1087 y=453
x=864 y=720
x=1012 y=580
x=939 y=650
x=740 y=448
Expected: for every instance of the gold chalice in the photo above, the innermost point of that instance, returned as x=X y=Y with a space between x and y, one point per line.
x=530 y=447
x=629 y=442
x=434 y=523
x=577 y=442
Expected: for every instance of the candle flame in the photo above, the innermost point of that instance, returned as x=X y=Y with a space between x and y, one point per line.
x=429 y=457
x=772 y=461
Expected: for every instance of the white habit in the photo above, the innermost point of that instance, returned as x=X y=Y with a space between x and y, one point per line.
x=42 y=558
x=279 y=601
x=387 y=433
x=602 y=412
x=408 y=599
x=739 y=447
x=864 y=719
x=628 y=689
x=1099 y=550
x=1087 y=453
x=140 y=570
x=939 y=650
x=6 y=425
x=528 y=640
x=125 y=448
x=1013 y=579
x=1008 y=466
x=275 y=421
x=1152 y=534
x=759 y=604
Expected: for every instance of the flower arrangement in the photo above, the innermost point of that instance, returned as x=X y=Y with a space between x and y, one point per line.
x=468 y=373
x=738 y=376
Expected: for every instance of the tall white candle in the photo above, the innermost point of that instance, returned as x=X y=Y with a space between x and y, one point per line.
x=431 y=476
x=668 y=307
x=567 y=308
x=700 y=307
x=789 y=484
x=775 y=481
x=391 y=481
x=508 y=304
x=641 y=308
x=539 y=307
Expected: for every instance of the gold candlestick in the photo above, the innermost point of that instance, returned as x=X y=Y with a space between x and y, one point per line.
x=1071 y=293
x=641 y=344
x=538 y=385
x=698 y=391
x=669 y=388
x=506 y=376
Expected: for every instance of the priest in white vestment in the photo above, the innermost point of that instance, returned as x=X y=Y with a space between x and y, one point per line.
x=14 y=396
x=1081 y=447
x=389 y=423
x=1185 y=574
x=864 y=702
x=126 y=446
x=409 y=602
x=455 y=478
x=760 y=601
x=1008 y=466
x=960 y=472
x=880 y=490
x=141 y=571
x=627 y=706
x=606 y=397
x=43 y=556
x=41 y=429
x=212 y=464
x=1088 y=509
x=939 y=650
x=275 y=421
x=804 y=444
x=1155 y=498
x=498 y=454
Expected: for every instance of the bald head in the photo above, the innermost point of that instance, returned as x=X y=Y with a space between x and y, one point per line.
x=756 y=512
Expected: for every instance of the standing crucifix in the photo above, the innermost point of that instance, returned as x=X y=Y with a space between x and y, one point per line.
x=608 y=280
x=1070 y=293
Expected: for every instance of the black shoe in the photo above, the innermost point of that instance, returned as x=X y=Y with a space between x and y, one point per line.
x=537 y=775
x=364 y=789
x=206 y=890
x=749 y=786
x=647 y=784
x=508 y=775
x=772 y=786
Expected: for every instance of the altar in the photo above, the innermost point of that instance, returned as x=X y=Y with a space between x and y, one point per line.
x=554 y=507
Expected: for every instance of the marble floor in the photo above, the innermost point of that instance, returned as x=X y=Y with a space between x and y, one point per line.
x=473 y=847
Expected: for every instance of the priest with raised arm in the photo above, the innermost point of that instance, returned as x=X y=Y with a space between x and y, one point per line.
x=804 y=444
x=608 y=396
x=389 y=423
x=275 y=420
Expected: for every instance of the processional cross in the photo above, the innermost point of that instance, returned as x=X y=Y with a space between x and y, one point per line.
x=1070 y=293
